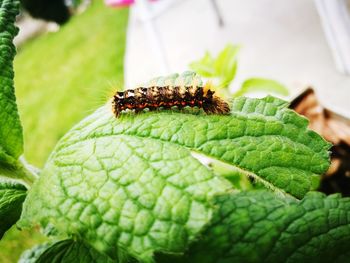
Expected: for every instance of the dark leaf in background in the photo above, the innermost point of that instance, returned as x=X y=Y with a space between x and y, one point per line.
x=52 y=10
x=333 y=128
x=64 y=251
x=12 y=196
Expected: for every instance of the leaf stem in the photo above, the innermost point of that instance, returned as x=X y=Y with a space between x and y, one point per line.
x=28 y=172
x=20 y=171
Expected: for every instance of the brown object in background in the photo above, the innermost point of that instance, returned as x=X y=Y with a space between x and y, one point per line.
x=335 y=129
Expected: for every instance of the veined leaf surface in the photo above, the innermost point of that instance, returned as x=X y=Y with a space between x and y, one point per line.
x=256 y=226
x=11 y=137
x=132 y=185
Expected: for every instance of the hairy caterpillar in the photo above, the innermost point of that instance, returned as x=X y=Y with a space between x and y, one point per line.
x=169 y=96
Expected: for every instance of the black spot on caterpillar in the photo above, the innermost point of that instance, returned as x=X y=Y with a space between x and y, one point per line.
x=169 y=96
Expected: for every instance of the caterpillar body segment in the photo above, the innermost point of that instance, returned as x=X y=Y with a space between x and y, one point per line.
x=167 y=97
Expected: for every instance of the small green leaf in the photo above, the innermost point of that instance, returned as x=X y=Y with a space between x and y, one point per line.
x=257 y=226
x=11 y=137
x=65 y=251
x=12 y=196
x=223 y=68
x=133 y=183
x=261 y=85
x=204 y=66
x=225 y=65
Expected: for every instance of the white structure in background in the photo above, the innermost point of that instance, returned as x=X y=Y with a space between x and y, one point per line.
x=335 y=18
x=147 y=14
x=282 y=40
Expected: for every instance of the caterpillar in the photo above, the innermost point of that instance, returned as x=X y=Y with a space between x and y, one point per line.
x=169 y=96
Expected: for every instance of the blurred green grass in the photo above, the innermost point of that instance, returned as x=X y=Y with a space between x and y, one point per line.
x=60 y=78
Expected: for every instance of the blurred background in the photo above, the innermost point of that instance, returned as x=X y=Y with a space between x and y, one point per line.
x=73 y=54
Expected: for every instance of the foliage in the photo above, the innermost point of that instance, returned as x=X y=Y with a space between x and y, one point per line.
x=134 y=188
x=63 y=251
x=258 y=227
x=222 y=70
x=12 y=196
x=49 y=106
x=223 y=67
x=68 y=74
x=261 y=84
x=11 y=138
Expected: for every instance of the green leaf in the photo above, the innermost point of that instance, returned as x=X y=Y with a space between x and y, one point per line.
x=238 y=178
x=133 y=183
x=204 y=66
x=225 y=65
x=12 y=196
x=32 y=255
x=261 y=85
x=11 y=137
x=65 y=251
x=257 y=226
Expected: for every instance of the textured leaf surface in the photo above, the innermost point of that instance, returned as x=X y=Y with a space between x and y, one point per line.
x=258 y=227
x=132 y=183
x=11 y=138
x=65 y=251
x=12 y=196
